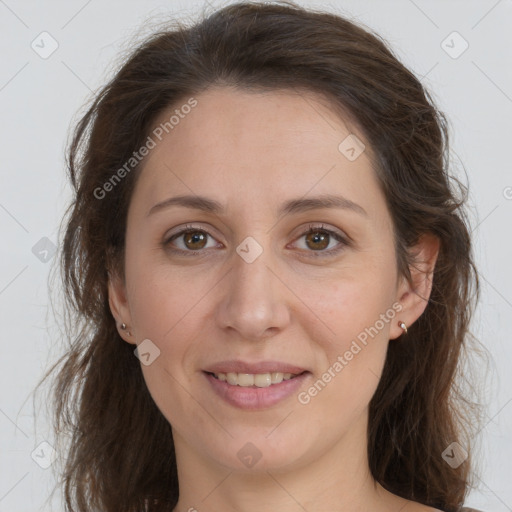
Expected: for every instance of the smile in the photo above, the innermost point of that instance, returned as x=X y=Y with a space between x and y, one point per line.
x=260 y=380
x=255 y=391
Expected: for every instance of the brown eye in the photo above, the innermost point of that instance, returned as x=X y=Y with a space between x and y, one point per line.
x=194 y=239
x=317 y=240
x=320 y=241
x=189 y=240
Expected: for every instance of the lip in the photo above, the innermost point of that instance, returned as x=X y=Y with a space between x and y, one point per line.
x=236 y=366
x=254 y=398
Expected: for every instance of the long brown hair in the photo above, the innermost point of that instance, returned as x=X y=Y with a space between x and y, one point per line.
x=120 y=452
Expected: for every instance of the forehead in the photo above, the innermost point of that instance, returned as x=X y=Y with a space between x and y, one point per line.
x=245 y=119
x=252 y=144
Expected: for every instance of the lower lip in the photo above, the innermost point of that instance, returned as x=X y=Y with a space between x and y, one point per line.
x=254 y=398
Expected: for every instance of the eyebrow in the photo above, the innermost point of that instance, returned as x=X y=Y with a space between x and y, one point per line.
x=298 y=205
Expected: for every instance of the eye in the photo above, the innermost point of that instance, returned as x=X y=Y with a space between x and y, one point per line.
x=319 y=241
x=322 y=241
x=193 y=240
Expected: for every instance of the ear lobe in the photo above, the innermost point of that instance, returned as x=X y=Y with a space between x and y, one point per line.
x=118 y=302
x=414 y=297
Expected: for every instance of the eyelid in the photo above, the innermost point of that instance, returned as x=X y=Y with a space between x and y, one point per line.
x=188 y=227
x=181 y=231
x=343 y=239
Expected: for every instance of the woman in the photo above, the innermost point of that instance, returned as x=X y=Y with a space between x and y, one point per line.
x=275 y=275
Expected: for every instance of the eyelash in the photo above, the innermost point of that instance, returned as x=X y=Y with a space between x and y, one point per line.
x=311 y=229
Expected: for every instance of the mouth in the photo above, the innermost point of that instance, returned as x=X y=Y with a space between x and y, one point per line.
x=254 y=380
x=256 y=391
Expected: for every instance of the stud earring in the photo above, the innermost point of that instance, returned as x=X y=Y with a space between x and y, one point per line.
x=403 y=326
x=124 y=327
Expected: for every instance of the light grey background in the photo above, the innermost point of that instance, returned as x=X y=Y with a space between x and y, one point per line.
x=39 y=98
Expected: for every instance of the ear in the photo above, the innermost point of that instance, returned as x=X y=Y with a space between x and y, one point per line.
x=117 y=299
x=414 y=298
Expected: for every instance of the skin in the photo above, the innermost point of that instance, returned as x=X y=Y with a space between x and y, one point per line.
x=251 y=152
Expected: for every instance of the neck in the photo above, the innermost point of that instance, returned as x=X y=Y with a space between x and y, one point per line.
x=339 y=479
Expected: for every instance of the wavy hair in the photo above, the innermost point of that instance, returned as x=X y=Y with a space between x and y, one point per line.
x=120 y=455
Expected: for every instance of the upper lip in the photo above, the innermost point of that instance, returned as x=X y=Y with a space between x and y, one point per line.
x=235 y=366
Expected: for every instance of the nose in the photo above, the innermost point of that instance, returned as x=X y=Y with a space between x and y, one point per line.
x=254 y=300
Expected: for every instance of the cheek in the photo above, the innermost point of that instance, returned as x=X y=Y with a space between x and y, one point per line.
x=351 y=348
x=349 y=319
x=168 y=310
x=346 y=306
x=162 y=298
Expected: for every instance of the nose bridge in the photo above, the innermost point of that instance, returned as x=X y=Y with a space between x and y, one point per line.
x=252 y=302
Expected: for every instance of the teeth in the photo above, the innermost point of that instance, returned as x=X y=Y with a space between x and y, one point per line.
x=260 y=380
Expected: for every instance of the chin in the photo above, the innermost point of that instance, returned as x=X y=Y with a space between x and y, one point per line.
x=254 y=453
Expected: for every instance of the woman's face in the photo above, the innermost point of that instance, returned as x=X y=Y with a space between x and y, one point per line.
x=248 y=285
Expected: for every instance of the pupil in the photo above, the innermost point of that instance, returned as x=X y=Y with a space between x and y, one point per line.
x=196 y=237
x=319 y=237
